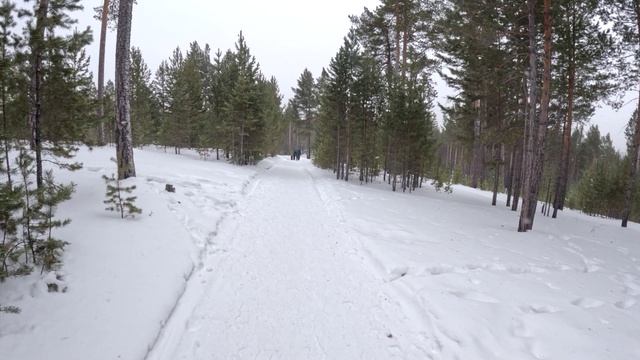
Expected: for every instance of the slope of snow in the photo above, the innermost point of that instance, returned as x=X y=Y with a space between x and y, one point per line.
x=567 y=290
x=281 y=261
x=122 y=277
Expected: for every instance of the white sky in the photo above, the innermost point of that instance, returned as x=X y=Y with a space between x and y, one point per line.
x=284 y=35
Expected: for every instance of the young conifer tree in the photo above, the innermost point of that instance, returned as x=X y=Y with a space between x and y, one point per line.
x=49 y=248
x=118 y=198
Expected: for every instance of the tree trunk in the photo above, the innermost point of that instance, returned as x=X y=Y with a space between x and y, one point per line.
x=290 y=136
x=633 y=167
x=124 y=145
x=5 y=134
x=633 y=171
x=496 y=181
x=476 y=161
x=517 y=177
x=35 y=97
x=527 y=161
x=563 y=171
x=526 y=222
x=103 y=41
x=509 y=178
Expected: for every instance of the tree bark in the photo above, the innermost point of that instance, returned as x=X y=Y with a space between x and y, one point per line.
x=563 y=171
x=517 y=178
x=103 y=41
x=496 y=181
x=635 y=156
x=35 y=97
x=476 y=161
x=633 y=171
x=124 y=145
x=526 y=223
x=527 y=161
x=5 y=134
x=509 y=177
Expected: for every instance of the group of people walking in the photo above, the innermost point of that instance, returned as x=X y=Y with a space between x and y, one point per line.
x=296 y=154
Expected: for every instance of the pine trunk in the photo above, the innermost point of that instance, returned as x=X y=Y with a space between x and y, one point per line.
x=496 y=181
x=509 y=177
x=124 y=145
x=527 y=161
x=35 y=117
x=563 y=171
x=103 y=43
x=517 y=178
x=633 y=171
x=5 y=134
x=541 y=131
x=476 y=162
x=633 y=167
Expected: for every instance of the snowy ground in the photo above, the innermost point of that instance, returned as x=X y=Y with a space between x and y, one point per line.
x=280 y=261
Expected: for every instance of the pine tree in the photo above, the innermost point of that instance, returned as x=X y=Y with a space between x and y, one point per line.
x=242 y=109
x=144 y=125
x=625 y=17
x=584 y=59
x=305 y=101
x=118 y=199
x=275 y=124
x=10 y=204
x=49 y=248
x=7 y=64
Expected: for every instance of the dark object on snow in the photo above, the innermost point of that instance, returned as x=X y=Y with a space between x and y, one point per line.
x=296 y=155
x=170 y=188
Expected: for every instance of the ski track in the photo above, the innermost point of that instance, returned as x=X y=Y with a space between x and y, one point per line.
x=290 y=283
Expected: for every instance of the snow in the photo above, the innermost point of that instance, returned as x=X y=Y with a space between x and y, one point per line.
x=282 y=261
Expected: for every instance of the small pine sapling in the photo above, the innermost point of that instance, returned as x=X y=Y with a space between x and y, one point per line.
x=30 y=205
x=117 y=199
x=49 y=249
x=10 y=204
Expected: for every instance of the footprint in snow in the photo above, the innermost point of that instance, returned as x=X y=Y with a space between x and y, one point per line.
x=475 y=296
x=625 y=304
x=539 y=309
x=587 y=303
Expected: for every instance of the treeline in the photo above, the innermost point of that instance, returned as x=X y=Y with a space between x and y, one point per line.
x=223 y=105
x=372 y=106
x=527 y=76
x=47 y=104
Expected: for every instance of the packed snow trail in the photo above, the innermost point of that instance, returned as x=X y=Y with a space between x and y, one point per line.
x=289 y=286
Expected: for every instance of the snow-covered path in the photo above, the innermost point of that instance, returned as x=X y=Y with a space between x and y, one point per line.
x=290 y=285
x=281 y=261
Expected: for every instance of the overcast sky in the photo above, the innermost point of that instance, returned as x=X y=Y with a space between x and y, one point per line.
x=285 y=36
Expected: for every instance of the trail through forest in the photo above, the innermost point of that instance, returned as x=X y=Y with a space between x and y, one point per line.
x=288 y=284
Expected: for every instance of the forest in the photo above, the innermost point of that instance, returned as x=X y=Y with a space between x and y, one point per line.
x=528 y=76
